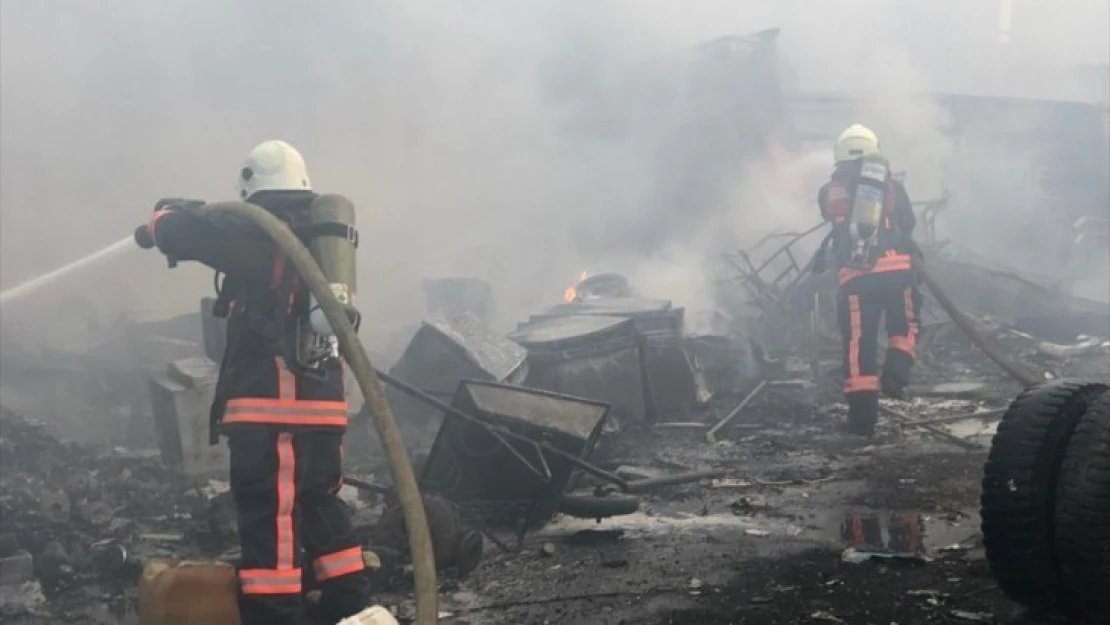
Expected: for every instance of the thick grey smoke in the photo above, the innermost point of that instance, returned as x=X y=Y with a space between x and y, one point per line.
x=498 y=139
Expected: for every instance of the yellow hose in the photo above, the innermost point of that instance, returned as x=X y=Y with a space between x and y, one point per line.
x=420 y=542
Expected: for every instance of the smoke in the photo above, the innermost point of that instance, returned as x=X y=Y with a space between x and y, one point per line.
x=518 y=141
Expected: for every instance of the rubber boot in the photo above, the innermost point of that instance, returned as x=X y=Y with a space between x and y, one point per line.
x=863 y=412
x=896 y=374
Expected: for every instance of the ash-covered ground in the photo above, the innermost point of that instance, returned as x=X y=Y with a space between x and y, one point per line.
x=766 y=544
x=808 y=524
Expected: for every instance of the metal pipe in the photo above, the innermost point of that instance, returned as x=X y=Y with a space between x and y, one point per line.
x=642 y=486
x=710 y=436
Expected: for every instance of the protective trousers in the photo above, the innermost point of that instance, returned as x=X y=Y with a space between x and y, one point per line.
x=863 y=302
x=292 y=524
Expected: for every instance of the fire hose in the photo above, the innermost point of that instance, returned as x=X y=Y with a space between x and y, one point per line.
x=416 y=522
x=967 y=326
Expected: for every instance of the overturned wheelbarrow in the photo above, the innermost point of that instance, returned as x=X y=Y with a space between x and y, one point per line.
x=508 y=456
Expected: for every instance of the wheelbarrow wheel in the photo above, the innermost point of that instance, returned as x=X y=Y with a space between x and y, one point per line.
x=590 y=506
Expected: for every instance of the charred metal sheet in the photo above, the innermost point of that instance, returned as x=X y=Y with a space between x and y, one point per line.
x=673 y=377
x=443 y=352
x=592 y=356
x=471 y=466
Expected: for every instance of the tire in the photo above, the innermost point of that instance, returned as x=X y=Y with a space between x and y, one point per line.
x=590 y=506
x=1019 y=489
x=1083 y=513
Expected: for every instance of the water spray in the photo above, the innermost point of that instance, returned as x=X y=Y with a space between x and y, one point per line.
x=34 y=284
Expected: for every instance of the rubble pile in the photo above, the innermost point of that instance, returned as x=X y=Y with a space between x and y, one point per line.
x=78 y=514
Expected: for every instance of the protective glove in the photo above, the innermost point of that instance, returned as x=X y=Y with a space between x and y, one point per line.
x=143 y=238
x=143 y=234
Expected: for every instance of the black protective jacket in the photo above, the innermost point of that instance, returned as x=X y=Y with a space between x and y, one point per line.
x=263 y=299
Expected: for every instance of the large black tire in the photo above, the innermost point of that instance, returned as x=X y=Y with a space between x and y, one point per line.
x=1019 y=489
x=1083 y=513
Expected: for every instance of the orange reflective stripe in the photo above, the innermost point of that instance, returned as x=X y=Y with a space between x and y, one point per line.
x=855 y=325
x=154 y=217
x=287 y=382
x=286 y=495
x=285 y=412
x=343 y=562
x=277 y=270
x=265 y=418
x=911 y=317
x=861 y=384
x=891 y=261
x=285 y=409
x=284 y=406
x=270 y=581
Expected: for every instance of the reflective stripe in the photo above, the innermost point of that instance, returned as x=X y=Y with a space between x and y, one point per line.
x=856 y=524
x=286 y=412
x=263 y=418
x=287 y=382
x=855 y=330
x=343 y=562
x=285 y=406
x=277 y=269
x=286 y=497
x=908 y=342
x=286 y=409
x=861 y=384
x=911 y=318
x=270 y=581
x=891 y=261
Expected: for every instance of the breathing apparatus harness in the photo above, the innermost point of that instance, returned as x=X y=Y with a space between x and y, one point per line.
x=295 y=327
x=859 y=208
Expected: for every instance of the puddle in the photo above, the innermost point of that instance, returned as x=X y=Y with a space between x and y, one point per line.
x=887 y=531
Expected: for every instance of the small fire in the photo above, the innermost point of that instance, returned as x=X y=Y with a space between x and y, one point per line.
x=571 y=292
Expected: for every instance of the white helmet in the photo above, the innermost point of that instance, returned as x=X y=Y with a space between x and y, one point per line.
x=855 y=142
x=273 y=166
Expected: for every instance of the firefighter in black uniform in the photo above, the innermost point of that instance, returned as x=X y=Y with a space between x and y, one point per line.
x=284 y=424
x=871 y=242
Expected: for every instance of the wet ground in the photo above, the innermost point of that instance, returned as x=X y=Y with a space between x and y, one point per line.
x=810 y=525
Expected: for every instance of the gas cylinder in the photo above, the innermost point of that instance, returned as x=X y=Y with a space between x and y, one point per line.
x=867 y=208
x=188 y=593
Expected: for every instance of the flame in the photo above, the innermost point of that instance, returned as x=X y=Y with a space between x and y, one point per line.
x=571 y=292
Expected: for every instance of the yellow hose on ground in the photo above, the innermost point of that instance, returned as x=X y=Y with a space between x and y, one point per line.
x=420 y=542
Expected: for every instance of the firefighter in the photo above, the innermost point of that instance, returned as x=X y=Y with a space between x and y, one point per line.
x=284 y=423
x=872 y=225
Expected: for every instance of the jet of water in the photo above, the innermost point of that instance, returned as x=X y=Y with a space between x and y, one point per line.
x=35 y=284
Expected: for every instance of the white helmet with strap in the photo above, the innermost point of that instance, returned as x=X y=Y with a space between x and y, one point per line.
x=855 y=142
x=273 y=166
